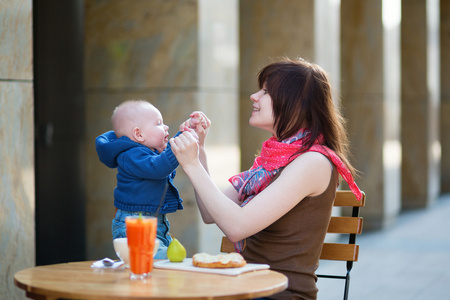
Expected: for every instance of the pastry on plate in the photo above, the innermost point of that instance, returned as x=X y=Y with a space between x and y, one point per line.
x=228 y=260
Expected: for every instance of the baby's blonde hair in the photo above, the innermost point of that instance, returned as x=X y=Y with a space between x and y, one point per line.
x=126 y=116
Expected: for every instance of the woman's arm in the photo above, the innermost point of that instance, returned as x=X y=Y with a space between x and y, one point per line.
x=308 y=175
x=200 y=123
x=203 y=211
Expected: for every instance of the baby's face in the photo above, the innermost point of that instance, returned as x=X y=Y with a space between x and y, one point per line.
x=154 y=132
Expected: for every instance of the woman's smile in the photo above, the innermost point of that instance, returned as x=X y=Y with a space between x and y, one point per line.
x=262 y=116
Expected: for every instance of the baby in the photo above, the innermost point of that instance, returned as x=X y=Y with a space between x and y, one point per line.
x=138 y=148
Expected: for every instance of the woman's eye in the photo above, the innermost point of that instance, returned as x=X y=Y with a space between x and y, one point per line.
x=265 y=91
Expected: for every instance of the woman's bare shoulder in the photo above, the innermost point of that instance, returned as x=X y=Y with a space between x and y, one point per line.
x=311 y=171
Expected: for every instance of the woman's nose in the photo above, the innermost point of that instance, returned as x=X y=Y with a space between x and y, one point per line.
x=254 y=97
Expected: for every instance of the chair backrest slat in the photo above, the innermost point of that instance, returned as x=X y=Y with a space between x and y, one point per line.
x=227 y=246
x=345 y=225
x=343 y=252
x=347 y=198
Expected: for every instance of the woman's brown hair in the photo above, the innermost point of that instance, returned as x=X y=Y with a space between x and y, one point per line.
x=302 y=98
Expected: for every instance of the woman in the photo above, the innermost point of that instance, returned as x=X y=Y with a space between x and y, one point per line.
x=278 y=211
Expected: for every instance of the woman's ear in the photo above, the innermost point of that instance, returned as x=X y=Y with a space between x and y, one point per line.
x=137 y=134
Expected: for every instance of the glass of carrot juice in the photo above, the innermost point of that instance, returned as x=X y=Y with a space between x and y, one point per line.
x=141 y=234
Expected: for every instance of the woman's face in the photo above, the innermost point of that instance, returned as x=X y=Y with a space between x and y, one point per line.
x=262 y=114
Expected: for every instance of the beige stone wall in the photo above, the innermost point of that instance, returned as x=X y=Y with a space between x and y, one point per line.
x=16 y=145
x=149 y=50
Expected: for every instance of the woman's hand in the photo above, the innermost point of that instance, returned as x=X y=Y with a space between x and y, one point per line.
x=185 y=147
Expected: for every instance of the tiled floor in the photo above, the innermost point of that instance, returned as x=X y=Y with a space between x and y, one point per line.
x=408 y=261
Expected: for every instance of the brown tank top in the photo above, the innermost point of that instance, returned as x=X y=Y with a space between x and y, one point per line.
x=292 y=245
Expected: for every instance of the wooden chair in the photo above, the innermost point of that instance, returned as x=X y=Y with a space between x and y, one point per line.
x=338 y=224
x=344 y=225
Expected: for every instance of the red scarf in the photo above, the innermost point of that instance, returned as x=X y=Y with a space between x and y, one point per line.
x=275 y=155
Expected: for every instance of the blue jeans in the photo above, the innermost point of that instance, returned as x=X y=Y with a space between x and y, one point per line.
x=119 y=230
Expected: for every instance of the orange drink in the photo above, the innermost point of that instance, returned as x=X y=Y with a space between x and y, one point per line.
x=141 y=234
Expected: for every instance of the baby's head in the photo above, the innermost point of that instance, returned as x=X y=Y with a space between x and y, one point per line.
x=141 y=122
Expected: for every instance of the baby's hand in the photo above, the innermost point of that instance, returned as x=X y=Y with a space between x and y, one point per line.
x=199 y=124
x=192 y=131
x=196 y=119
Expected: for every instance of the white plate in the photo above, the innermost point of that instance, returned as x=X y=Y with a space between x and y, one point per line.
x=187 y=265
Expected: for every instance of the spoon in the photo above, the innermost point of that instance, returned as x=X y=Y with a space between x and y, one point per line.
x=107 y=262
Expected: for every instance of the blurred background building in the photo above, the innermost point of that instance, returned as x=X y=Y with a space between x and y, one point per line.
x=65 y=65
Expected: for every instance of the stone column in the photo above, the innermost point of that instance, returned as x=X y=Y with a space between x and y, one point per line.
x=268 y=30
x=418 y=119
x=363 y=101
x=391 y=81
x=327 y=39
x=218 y=98
x=17 y=198
x=445 y=96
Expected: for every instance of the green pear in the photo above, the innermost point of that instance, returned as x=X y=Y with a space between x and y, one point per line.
x=176 y=251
